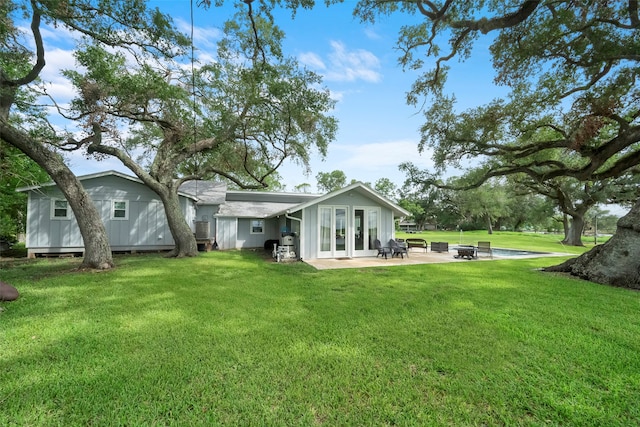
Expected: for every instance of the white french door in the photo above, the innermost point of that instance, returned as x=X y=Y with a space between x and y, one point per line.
x=345 y=232
x=333 y=225
x=366 y=223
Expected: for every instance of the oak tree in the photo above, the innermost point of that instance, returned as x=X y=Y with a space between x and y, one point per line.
x=572 y=71
x=238 y=117
x=33 y=127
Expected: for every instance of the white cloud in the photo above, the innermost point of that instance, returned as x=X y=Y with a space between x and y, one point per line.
x=378 y=156
x=203 y=38
x=351 y=65
x=372 y=34
x=345 y=65
x=312 y=60
x=62 y=93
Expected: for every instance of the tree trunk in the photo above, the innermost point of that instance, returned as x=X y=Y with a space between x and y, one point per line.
x=573 y=236
x=489 y=225
x=616 y=262
x=518 y=225
x=185 y=241
x=97 y=252
x=565 y=227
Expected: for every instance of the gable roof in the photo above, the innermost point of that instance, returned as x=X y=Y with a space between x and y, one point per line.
x=358 y=187
x=99 y=175
x=84 y=178
x=248 y=204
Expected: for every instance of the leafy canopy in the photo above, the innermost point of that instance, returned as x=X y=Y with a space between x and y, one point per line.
x=572 y=70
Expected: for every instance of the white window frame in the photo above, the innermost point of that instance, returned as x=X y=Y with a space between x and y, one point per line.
x=126 y=210
x=251 y=221
x=53 y=209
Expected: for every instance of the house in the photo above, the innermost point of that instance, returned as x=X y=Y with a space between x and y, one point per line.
x=343 y=223
x=408 y=226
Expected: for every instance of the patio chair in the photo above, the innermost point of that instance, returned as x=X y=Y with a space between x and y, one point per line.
x=485 y=248
x=398 y=248
x=382 y=250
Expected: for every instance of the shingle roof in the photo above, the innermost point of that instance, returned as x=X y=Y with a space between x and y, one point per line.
x=245 y=209
x=206 y=192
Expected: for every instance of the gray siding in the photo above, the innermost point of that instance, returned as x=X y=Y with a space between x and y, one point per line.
x=247 y=240
x=309 y=249
x=144 y=229
x=226 y=232
x=45 y=232
x=350 y=200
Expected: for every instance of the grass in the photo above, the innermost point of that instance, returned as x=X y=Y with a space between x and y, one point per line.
x=507 y=239
x=227 y=338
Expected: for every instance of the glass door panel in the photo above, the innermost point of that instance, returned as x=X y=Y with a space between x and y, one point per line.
x=341 y=229
x=372 y=228
x=358 y=222
x=325 y=229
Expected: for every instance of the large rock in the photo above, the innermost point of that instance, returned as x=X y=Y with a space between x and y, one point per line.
x=8 y=292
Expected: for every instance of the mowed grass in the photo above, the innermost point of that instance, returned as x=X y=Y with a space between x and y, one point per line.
x=229 y=338
x=542 y=242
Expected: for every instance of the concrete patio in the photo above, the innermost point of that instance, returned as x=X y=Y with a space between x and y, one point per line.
x=415 y=257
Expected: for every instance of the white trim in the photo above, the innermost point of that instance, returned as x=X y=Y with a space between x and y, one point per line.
x=333 y=251
x=358 y=187
x=251 y=226
x=113 y=210
x=366 y=238
x=52 y=212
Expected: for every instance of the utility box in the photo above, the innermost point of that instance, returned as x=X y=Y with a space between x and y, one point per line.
x=202 y=229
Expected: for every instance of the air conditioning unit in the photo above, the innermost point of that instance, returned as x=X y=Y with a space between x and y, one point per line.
x=202 y=230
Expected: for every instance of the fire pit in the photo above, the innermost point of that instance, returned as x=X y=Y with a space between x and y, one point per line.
x=468 y=252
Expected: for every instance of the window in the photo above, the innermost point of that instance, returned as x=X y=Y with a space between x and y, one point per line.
x=59 y=209
x=120 y=209
x=257 y=226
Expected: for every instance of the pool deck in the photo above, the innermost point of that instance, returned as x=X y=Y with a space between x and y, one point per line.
x=415 y=257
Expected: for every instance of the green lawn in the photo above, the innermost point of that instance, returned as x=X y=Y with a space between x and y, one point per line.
x=228 y=338
x=506 y=239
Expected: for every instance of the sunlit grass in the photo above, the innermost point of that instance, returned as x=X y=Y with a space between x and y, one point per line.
x=228 y=338
x=544 y=242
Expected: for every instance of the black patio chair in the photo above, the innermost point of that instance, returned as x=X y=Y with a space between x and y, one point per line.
x=382 y=250
x=398 y=248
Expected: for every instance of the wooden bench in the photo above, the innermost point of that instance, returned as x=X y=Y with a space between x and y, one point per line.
x=416 y=243
x=439 y=247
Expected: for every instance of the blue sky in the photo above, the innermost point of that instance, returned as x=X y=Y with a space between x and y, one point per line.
x=359 y=65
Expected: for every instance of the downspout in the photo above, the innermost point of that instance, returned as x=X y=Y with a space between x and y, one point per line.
x=286 y=215
x=215 y=235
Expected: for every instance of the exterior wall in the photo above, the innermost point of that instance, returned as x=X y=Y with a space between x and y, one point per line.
x=226 y=232
x=190 y=211
x=206 y=213
x=144 y=228
x=246 y=240
x=351 y=200
x=309 y=244
x=44 y=232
